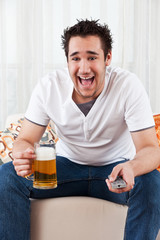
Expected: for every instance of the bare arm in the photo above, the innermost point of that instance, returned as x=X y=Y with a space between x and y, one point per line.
x=147 y=152
x=147 y=158
x=23 y=150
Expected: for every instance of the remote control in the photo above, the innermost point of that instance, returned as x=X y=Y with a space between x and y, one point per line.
x=118 y=183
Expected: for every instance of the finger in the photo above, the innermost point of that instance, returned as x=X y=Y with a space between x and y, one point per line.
x=121 y=190
x=29 y=150
x=108 y=184
x=17 y=162
x=24 y=173
x=23 y=170
x=115 y=173
x=23 y=165
x=19 y=168
x=24 y=155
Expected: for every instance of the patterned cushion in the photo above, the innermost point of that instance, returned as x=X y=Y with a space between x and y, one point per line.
x=8 y=136
x=157 y=127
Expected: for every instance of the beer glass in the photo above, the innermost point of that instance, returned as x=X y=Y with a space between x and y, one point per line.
x=44 y=166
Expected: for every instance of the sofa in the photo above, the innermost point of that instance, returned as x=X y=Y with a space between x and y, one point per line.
x=69 y=218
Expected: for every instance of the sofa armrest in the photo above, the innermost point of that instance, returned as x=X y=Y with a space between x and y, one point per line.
x=12 y=119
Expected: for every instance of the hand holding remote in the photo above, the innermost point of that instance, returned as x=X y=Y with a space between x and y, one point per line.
x=118 y=183
x=125 y=181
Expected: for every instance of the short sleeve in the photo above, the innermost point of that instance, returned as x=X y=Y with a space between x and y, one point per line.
x=138 y=113
x=36 y=111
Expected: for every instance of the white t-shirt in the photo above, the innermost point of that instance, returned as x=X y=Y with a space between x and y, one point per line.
x=103 y=136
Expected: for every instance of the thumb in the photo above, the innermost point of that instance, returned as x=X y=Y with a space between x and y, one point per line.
x=115 y=173
x=29 y=150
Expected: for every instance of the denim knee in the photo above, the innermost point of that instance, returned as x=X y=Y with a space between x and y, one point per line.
x=144 y=207
x=147 y=188
x=9 y=180
x=14 y=204
x=5 y=175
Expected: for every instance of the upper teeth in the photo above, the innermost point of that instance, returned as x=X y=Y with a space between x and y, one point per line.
x=85 y=78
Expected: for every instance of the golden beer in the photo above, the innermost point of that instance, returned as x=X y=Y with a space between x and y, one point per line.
x=45 y=176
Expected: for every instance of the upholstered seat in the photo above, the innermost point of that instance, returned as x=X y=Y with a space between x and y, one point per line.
x=77 y=218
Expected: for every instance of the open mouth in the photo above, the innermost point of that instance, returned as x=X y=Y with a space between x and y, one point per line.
x=86 y=81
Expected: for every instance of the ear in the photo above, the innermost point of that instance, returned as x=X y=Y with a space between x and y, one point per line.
x=108 y=58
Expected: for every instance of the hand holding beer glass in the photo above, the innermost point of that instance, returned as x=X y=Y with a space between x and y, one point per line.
x=44 y=166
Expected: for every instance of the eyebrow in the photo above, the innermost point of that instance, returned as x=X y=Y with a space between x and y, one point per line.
x=90 y=52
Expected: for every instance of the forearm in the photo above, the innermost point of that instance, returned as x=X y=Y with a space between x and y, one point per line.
x=146 y=160
x=23 y=147
x=20 y=145
x=29 y=134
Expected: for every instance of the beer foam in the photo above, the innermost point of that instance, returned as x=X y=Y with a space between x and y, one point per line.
x=45 y=153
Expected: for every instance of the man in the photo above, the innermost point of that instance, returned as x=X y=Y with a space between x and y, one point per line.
x=105 y=127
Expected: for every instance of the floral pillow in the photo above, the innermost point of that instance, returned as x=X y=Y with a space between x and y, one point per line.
x=157 y=127
x=8 y=136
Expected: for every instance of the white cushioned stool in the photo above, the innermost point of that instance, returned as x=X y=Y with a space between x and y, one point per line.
x=77 y=218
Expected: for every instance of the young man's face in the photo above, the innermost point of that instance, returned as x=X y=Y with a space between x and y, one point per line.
x=87 y=67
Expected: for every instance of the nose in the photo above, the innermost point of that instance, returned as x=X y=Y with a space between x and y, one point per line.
x=84 y=67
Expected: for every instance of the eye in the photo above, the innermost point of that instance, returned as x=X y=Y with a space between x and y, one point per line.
x=75 y=59
x=92 y=58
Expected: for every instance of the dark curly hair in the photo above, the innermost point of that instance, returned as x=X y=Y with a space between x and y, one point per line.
x=84 y=28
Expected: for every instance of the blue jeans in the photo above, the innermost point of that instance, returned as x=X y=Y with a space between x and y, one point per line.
x=143 y=218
